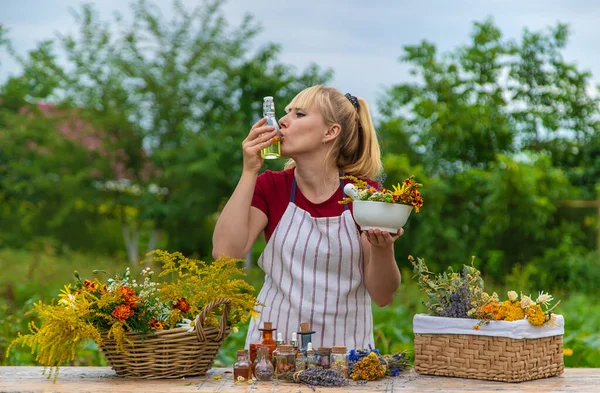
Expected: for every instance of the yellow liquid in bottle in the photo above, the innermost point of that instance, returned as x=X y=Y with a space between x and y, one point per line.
x=273 y=150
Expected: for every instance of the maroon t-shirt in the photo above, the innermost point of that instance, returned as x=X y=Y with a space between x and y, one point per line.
x=272 y=195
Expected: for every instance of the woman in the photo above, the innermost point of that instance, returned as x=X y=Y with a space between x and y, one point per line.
x=318 y=266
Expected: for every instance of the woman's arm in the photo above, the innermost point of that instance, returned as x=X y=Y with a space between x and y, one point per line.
x=239 y=224
x=382 y=276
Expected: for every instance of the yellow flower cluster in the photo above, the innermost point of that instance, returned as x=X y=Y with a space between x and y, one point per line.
x=514 y=309
x=511 y=311
x=368 y=368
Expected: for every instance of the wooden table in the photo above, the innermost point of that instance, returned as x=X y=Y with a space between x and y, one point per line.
x=103 y=379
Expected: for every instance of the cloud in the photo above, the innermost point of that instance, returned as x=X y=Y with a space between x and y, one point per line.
x=360 y=40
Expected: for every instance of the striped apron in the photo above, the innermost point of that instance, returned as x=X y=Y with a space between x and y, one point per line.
x=314 y=273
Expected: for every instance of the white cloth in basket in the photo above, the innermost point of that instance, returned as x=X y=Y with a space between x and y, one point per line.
x=427 y=324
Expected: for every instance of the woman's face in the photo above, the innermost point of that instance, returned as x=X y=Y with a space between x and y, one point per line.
x=303 y=130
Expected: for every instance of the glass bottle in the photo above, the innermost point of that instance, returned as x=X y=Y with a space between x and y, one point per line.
x=324 y=358
x=286 y=359
x=294 y=341
x=241 y=368
x=263 y=369
x=273 y=150
x=311 y=359
x=267 y=341
x=339 y=360
x=278 y=344
x=305 y=336
x=300 y=361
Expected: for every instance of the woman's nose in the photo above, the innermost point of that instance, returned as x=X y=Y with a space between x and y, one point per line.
x=283 y=122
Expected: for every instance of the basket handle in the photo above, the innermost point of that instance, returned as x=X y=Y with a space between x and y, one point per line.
x=208 y=308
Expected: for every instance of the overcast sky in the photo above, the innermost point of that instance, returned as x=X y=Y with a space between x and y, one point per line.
x=360 y=40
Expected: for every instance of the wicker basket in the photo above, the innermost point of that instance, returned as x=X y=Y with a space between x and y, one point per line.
x=489 y=357
x=173 y=353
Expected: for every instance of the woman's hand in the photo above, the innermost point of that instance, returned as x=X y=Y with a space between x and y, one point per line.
x=260 y=136
x=382 y=239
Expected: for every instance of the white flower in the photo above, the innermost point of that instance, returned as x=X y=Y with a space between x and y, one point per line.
x=526 y=301
x=544 y=298
x=495 y=297
x=68 y=300
x=235 y=329
x=187 y=324
x=512 y=296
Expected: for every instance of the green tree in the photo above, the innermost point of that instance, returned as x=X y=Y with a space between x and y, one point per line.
x=174 y=99
x=499 y=131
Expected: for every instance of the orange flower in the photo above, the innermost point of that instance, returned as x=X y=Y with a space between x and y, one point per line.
x=157 y=325
x=103 y=289
x=128 y=295
x=182 y=305
x=491 y=310
x=91 y=286
x=122 y=312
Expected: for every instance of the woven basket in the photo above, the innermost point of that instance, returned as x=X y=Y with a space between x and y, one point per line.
x=172 y=353
x=489 y=357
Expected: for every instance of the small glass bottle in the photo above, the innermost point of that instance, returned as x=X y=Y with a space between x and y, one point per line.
x=324 y=358
x=300 y=361
x=294 y=341
x=311 y=359
x=273 y=150
x=286 y=360
x=279 y=340
x=274 y=354
x=339 y=360
x=263 y=369
x=305 y=336
x=241 y=368
x=267 y=341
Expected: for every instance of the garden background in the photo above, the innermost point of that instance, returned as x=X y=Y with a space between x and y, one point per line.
x=125 y=136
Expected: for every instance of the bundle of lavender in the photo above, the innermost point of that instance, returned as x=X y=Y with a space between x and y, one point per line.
x=315 y=377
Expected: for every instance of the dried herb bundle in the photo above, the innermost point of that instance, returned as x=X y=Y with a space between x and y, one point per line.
x=315 y=377
x=368 y=368
x=395 y=364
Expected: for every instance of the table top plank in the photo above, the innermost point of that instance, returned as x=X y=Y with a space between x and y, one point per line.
x=104 y=379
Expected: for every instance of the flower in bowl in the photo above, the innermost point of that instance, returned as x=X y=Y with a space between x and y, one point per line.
x=382 y=209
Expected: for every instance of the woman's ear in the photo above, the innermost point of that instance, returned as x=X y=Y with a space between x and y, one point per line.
x=333 y=131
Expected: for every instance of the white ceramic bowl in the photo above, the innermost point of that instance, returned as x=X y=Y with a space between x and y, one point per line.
x=380 y=215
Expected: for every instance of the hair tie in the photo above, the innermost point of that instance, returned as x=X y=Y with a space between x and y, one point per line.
x=353 y=100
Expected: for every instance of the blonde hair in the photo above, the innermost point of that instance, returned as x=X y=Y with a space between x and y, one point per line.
x=356 y=148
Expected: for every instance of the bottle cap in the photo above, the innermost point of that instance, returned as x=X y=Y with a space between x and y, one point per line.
x=280 y=336
x=338 y=350
x=304 y=327
x=242 y=352
x=268 y=98
x=294 y=336
x=309 y=347
x=286 y=348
